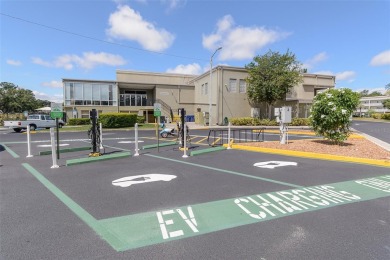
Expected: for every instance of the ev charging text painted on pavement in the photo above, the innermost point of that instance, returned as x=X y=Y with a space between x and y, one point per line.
x=189 y=220
x=274 y=164
x=148 y=228
x=156 y=227
x=383 y=185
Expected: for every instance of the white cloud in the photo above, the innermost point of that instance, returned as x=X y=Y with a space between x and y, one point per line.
x=128 y=24
x=52 y=84
x=39 y=61
x=381 y=59
x=88 y=60
x=173 y=4
x=191 y=69
x=240 y=42
x=347 y=75
x=14 y=62
x=57 y=98
x=310 y=63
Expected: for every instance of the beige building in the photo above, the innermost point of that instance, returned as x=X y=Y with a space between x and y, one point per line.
x=372 y=105
x=136 y=92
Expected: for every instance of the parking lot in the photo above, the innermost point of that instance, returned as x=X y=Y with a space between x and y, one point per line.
x=227 y=204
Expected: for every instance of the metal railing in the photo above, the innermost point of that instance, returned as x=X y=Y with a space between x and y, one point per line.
x=219 y=136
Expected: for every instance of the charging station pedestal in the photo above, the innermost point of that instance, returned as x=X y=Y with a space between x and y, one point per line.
x=283 y=117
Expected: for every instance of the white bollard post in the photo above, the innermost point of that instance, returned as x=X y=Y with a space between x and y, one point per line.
x=185 y=141
x=136 y=139
x=53 y=149
x=28 y=143
x=101 y=136
x=283 y=133
x=229 y=144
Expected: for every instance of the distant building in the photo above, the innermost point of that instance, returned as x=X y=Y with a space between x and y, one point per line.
x=373 y=104
x=136 y=92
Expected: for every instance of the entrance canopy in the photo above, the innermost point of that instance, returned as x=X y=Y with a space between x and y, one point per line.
x=48 y=109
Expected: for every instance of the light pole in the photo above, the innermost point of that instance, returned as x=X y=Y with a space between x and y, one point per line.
x=210 y=90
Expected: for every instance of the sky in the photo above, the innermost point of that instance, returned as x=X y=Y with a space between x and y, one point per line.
x=42 y=42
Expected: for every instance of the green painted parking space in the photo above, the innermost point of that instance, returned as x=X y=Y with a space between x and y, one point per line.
x=142 y=229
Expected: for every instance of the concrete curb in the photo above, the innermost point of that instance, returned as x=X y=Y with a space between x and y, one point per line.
x=208 y=150
x=99 y=158
x=320 y=156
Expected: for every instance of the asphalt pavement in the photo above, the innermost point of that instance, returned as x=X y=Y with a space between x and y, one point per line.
x=230 y=204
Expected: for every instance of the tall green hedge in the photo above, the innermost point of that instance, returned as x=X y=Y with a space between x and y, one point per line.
x=79 y=121
x=117 y=120
x=250 y=121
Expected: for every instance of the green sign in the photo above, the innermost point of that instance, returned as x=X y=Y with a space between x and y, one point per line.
x=157 y=109
x=56 y=110
x=157 y=113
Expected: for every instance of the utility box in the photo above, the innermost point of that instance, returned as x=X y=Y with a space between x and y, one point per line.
x=285 y=115
x=206 y=117
x=277 y=111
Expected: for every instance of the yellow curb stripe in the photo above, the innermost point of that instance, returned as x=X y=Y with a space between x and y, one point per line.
x=201 y=140
x=354 y=136
x=321 y=156
x=217 y=140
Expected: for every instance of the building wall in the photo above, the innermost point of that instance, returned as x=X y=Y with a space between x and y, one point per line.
x=195 y=93
x=372 y=104
x=228 y=103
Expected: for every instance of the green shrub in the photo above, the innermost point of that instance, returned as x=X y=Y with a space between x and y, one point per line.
x=140 y=119
x=249 y=121
x=117 y=120
x=331 y=113
x=376 y=115
x=386 y=116
x=268 y=122
x=300 y=122
x=79 y=121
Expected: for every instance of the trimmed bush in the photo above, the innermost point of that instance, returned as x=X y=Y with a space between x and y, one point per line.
x=79 y=121
x=117 y=120
x=249 y=121
x=300 y=122
x=376 y=115
x=140 y=119
x=386 y=116
x=331 y=113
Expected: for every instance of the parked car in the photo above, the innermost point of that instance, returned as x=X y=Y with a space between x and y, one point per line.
x=33 y=121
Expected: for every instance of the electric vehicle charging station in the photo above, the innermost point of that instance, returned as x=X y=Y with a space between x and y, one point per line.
x=283 y=117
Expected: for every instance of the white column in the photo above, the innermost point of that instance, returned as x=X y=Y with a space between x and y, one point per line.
x=53 y=148
x=136 y=139
x=28 y=142
x=185 y=141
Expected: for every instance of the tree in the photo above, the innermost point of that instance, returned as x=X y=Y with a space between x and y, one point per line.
x=16 y=100
x=375 y=93
x=386 y=103
x=271 y=77
x=364 y=93
x=387 y=87
x=331 y=113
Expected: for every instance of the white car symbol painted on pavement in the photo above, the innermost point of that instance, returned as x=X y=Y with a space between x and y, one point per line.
x=128 y=181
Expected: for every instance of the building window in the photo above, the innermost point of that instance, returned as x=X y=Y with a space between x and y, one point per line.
x=204 y=89
x=242 y=86
x=233 y=85
x=86 y=94
x=84 y=113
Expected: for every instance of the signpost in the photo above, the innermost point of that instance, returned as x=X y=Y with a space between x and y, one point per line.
x=57 y=112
